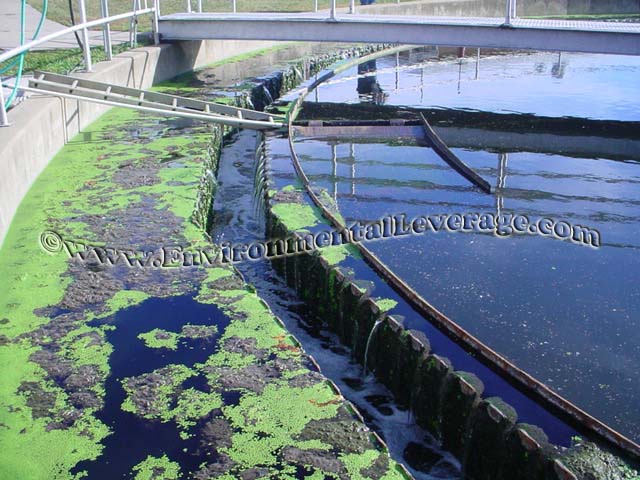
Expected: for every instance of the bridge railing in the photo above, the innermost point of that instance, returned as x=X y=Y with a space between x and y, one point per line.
x=509 y=9
x=139 y=8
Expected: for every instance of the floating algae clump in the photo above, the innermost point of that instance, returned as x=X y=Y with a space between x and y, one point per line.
x=158 y=338
x=157 y=468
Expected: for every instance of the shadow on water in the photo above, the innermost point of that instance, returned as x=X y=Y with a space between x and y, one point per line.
x=134 y=438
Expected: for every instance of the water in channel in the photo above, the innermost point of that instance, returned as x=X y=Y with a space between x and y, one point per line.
x=566 y=313
x=238 y=217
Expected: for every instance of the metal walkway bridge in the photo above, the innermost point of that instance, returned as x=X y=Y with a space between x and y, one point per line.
x=532 y=34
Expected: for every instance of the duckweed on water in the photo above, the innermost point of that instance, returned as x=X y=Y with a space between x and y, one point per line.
x=158 y=338
x=157 y=468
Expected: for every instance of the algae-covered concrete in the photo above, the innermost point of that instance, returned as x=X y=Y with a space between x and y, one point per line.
x=42 y=125
x=252 y=406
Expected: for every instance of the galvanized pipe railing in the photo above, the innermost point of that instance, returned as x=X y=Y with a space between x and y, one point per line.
x=510 y=11
x=106 y=29
x=84 y=27
x=85 y=36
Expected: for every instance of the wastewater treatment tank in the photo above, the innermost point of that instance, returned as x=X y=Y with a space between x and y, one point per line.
x=556 y=136
x=122 y=368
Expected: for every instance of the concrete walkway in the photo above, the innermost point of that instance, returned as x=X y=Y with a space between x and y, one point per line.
x=10 y=29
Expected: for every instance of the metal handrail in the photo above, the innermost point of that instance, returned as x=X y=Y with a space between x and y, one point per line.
x=83 y=26
x=93 y=23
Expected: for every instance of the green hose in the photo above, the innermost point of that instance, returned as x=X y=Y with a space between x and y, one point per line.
x=20 y=60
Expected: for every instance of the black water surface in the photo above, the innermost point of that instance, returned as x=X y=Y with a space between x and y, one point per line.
x=134 y=438
x=566 y=313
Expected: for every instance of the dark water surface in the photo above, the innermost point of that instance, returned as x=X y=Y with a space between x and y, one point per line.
x=568 y=314
x=135 y=438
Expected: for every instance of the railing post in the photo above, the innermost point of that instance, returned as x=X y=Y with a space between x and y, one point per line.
x=352 y=7
x=4 y=120
x=106 y=30
x=188 y=6
x=507 y=17
x=315 y=5
x=333 y=10
x=85 y=37
x=154 y=22
x=199 y=6
x=514 y=13
x=234 y=6
x=133 y=26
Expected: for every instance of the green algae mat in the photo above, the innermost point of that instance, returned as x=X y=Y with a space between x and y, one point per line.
x=120 y=367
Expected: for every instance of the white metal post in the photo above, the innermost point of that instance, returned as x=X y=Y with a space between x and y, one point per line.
x=234 y=6
x=133 y=27
x=507 y=16
x=199 y=6
x=333 y=9
x=188 y=6
x=315 y=5
x=514 y=13
x=85 y=37
x=352 y=6
x=4 y=120
x=106 y=29
x=154 y=22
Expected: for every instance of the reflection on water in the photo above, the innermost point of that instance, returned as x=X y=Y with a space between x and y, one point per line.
x=546 y=84
x=368 y=86
x=568 y=314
